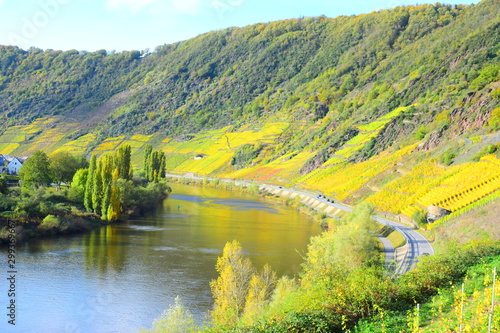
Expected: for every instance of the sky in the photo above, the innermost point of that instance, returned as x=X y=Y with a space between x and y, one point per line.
x=119 y=25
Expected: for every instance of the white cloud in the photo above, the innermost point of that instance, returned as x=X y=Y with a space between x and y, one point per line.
x=192 y=7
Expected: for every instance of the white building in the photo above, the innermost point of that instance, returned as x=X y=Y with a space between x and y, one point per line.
x=15 y=165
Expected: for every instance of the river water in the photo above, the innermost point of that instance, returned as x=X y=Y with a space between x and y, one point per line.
x=120 y=278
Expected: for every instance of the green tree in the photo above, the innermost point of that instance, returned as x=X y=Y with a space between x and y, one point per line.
x=80 y=178
x=347 y=84
x=348 y=247
x=154 y=164
x=76 y=192
x=36 y=170
x=4 y=188
x=113 y=212
x=89 y=186
x=106 y=178
x=122 y=161
x=147 y=156
x=63 y=167
x=97 y=188
x=245 y=154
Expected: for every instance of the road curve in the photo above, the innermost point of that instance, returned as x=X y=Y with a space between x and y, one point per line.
x=416 y=244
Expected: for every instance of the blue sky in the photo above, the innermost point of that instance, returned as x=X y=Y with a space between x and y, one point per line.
x=138 y=24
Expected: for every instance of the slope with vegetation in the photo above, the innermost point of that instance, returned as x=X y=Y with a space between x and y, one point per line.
x=394 y=107
x=398 y=108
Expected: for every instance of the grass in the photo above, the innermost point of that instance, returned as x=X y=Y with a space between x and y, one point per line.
x=396 y=239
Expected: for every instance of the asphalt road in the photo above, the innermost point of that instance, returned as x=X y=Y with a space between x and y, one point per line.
x=416 y=244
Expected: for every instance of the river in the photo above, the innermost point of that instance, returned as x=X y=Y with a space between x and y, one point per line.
x=121 y=277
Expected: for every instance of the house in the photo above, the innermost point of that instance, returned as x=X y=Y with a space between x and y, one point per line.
x=200 y=156
x=14 y=165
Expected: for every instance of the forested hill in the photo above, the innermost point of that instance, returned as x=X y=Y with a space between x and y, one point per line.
x=350 y=69
x=396 y=107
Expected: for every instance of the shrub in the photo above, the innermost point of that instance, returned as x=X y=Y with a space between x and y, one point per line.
x=447 y=157
x=489 y=149
x=50 y=222
x=245 y=154
x=177 y=319
x=494 y=121
x=420 y=217
x=421 y=133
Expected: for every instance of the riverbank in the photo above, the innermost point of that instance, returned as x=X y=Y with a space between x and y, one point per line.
x=50 y=226
x=45 y=212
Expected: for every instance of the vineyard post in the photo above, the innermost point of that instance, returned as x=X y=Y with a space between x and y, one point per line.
x=416 y=323
x=462 y=308
x=492 y=299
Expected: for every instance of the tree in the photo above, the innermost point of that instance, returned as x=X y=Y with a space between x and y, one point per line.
x=113 y=211
x=260 y=291
x=97 y=188
x=154 y=164
x=122 y=161
x=231 y=287
x=80 y=179
x=107 y=178
x=147 y=155
x=89 y=186
x=36 y=170
x=349 y=247
x=103 y=193
x=63 y=167
x=76 y=192
x=4 y=188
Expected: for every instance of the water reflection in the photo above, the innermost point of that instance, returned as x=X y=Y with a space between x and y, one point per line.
x=119 y=278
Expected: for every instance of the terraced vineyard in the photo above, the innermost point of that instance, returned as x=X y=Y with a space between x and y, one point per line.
x=469 y=184
x=368 y=131
x=211 y=152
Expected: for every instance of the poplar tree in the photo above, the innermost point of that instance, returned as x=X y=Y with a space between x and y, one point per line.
x=102 y=195
x=106 y=176
x=89 y=186
x=97 y=189
x=122 y=161
x=147 y=156
x=113 y=211
x=154 y=164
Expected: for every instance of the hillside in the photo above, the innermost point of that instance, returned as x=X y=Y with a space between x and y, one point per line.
x=399 y=107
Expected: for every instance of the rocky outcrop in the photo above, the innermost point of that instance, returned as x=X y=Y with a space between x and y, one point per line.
x=432 y=142
x=434 y=213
